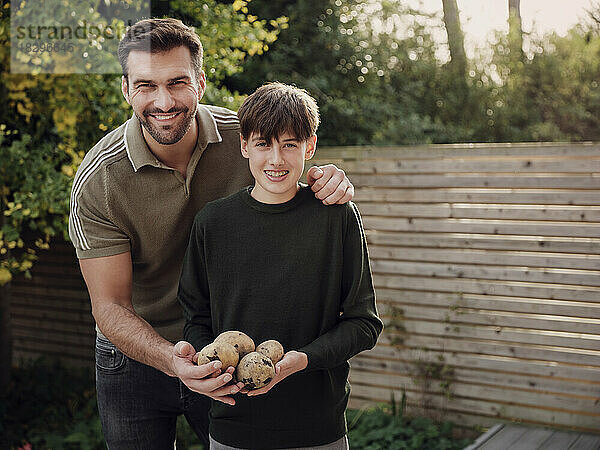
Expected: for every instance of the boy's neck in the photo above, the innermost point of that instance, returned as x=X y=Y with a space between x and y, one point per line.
x=272 y=198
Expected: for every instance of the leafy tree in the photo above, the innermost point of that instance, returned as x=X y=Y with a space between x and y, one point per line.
x=515 y=30
x=456 y=39
x=373 y=84
x=49 y=121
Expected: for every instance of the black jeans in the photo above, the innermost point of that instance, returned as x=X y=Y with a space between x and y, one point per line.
x=139 y=405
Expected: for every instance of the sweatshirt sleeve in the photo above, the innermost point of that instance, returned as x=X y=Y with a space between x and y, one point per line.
x=359 y=325
x=193 y=293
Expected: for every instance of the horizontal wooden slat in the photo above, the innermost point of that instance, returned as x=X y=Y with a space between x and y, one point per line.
x=477 y=195
x=53 y=348
x=486 y=226
x=493 y=287
x=534 y=382
x=494 y=211
x=477 y=316
x=506 y=409
x=36 y=334
x=83 y=326
x=54 y=302
x=589 y=246
x=50 y=314
x=477 y=354
x=453 y=180
x=40 y=291
x=573 y=309
x=475 y=164
x=488 y=272
x=65 y=270
x=497 y=150
x=486 y=257
x=585 y=344
x=488 y=391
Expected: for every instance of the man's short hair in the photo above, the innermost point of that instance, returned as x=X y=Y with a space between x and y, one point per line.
x=275 y=109
x=157 y=36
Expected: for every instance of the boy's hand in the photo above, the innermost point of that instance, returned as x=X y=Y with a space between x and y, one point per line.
x=291 y=362
x=330 y=184
x=206 y=379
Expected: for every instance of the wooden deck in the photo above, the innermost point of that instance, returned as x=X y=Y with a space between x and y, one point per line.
x=505 y=437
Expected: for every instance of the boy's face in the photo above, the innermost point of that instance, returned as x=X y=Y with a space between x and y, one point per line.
x=277 y=166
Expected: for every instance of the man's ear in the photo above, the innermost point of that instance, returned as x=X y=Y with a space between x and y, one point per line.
x=125 y=89
x=244 y=147
x=311 y=147
x=201 y=85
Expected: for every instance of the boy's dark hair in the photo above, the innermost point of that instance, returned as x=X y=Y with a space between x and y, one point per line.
x=160 y=35
x=277 y=108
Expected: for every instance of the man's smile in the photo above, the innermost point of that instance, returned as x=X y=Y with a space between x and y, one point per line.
x=163 y=117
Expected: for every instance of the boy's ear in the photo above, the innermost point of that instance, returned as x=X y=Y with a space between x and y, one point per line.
x=125 y=89
x=244 y=147
x=311 y=147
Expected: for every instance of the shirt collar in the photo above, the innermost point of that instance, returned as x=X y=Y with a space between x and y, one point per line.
x=140 y=155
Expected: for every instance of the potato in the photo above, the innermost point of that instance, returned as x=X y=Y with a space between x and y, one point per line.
x=241 y=341
x=222 y=351
x=255 y=370
x=272 y=349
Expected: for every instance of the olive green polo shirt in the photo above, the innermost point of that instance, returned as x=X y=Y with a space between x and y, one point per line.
x=124 y=199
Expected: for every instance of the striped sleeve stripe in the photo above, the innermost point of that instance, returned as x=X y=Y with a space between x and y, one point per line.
x=227 y=121
x=80 y=180
x=223 y=115
x=226 y=118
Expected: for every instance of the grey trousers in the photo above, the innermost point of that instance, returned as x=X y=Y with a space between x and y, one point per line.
x=340 y=444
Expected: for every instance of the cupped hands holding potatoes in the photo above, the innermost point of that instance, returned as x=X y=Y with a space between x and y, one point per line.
x=254 y=370
x=208 y=379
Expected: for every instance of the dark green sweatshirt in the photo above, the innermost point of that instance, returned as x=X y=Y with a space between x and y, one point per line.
x=297 y=272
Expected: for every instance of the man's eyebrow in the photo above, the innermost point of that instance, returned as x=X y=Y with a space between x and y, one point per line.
x=141 y=81
x=182 y=77
x=291 y=140
x=170 y=80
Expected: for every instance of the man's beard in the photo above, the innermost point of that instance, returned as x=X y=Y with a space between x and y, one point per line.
x=168 y=134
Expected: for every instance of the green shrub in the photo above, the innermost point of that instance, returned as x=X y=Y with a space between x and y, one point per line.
x=387 y=428
x=50 y=406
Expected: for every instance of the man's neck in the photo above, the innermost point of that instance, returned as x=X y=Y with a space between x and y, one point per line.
x=177 y=156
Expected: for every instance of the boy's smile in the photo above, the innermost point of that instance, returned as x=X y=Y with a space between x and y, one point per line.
x=276 y=166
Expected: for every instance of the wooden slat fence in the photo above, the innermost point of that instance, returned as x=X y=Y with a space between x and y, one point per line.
x=486 y=260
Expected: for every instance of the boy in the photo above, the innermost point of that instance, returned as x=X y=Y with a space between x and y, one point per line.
x=275 y=263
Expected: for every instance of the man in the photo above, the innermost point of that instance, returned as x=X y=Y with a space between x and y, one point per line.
x=132 y=206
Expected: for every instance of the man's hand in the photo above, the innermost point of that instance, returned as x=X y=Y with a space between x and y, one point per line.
x=206 y=379
x=291 y=362
x=330 y=184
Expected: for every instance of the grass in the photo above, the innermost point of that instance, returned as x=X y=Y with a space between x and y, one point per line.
x=50 y=406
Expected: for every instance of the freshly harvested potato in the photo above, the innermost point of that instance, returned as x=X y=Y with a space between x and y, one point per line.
x=255 y=370
x=272 y=349
x=222 y=351
x=241 y=341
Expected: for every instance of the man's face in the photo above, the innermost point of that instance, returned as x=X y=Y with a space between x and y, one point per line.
x=277 y=166
x=163 y=91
